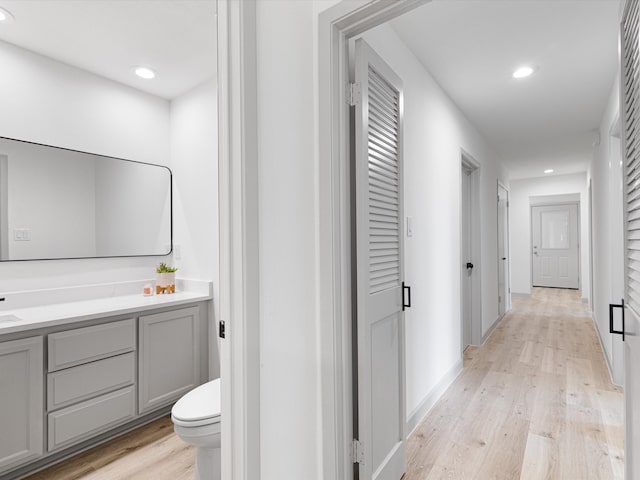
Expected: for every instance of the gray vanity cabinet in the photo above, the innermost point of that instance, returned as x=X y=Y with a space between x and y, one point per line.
x=21 y=401
x=169 y=350
x=66 y=387
x=90 y=381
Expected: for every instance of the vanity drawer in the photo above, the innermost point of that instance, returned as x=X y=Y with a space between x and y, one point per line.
x=87 y=419
x=83 y=345
x=79 y=383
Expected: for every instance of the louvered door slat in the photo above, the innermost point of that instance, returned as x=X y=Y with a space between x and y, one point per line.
x=383 y=169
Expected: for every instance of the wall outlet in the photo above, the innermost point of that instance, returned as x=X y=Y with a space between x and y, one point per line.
x=22 y=234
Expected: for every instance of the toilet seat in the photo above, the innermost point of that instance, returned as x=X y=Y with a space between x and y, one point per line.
x=201 y=406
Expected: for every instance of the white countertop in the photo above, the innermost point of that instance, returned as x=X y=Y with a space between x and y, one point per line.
x=71 y=312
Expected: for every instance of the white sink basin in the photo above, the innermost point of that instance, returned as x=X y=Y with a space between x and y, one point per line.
x=9 y=318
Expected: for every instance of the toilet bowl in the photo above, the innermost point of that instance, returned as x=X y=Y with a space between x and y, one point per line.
x=196 y=420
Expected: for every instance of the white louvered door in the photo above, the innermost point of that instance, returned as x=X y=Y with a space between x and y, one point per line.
x=379 y=245
x=630 y=108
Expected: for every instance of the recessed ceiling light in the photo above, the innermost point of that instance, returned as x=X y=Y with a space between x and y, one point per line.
x=5 y=16
x=145 y=72
x=523 y=72
x=549 y=170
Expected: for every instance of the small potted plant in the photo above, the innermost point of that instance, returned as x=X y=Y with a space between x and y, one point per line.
x=165 y=279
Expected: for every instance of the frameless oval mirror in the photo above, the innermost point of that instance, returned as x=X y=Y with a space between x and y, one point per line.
x=58 y=203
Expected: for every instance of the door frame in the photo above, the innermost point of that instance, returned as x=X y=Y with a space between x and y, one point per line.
x=592 y=296
x=239 y=246
x=617 y=267
x=471 y=164
x=507 y=246
x=335 y=26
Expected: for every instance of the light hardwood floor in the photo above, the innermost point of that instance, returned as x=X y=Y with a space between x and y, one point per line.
x=535 y=402
x=152 y=452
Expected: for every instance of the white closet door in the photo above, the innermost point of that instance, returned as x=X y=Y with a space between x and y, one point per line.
x=379 y=237
x=555 y=255
x=630 y=115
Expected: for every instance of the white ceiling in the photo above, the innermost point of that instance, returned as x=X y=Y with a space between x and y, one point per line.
x=177 y=38
x=548 y=120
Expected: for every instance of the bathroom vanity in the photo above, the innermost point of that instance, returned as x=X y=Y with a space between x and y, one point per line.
x=76 y=374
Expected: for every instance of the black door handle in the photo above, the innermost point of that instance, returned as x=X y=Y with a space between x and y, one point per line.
x=504 y=258
x=469 y=265
x=611 y=307
x=408 y=290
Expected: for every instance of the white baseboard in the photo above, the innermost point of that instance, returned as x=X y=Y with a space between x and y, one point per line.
x=434 y=395
x=520 y=295
x=491 y=329
x=604 y=352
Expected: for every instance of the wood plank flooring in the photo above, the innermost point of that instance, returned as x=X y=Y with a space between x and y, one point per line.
x=535 y=402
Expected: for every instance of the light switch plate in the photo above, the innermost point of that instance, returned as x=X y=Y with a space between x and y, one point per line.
x=22 y=234
x=409 y=226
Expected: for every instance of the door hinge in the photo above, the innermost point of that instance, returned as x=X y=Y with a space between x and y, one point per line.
x=357 y=452
x=353 y=94
x=222 y=332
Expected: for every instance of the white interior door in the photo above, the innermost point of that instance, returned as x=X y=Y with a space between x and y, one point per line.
x=503 y=251
x=630 y=116
x=555 y=246
x=466 y=286
x=379 y=252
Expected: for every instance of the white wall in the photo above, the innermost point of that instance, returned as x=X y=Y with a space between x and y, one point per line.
x=520 y=224
x=49 y=102
x=435 y=131
x=289 y=390
x=194 y=161
x=608 y=242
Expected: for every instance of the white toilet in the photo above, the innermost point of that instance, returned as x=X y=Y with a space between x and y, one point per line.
x=196 y=420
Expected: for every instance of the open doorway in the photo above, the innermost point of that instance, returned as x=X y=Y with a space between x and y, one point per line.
x=341 y=23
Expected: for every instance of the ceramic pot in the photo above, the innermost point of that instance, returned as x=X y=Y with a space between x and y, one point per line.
x=166 y=282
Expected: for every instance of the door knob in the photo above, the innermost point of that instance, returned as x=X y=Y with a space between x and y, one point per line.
x=469 y=265
x=504 y=258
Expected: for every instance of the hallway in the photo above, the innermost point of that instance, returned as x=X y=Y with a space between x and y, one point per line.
x=534 y=402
